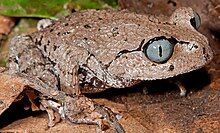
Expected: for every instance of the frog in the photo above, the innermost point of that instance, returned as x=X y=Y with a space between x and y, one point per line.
x=91 y=50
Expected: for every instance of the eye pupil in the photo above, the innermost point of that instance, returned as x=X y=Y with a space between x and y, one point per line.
x=159 y=49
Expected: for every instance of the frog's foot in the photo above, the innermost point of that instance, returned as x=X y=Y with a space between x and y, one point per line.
x=54 y=117
x=146 y=88
x=109 y=117
x=182 y=88
x=76 y=108
x=82 y=110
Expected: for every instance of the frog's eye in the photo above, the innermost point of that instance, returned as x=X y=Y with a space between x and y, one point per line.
x=195 y=21
x=158 y=50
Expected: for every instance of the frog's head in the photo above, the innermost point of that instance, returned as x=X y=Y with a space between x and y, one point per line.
x=168 y=49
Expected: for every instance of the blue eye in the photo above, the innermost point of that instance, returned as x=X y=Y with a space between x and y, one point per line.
x=158 y=50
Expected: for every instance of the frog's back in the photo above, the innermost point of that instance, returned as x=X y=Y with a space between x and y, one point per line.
x=103 y=33
x=106 y=34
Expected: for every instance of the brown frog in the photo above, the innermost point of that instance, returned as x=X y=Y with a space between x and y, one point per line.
x=90 y=51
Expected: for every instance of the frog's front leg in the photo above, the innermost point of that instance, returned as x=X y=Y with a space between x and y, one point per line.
x=176 y=82
x=79 y=109
x=75 y=108
x=75 y=80
x=181 y=87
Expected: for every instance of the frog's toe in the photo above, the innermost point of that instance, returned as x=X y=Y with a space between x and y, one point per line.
x=81 y=109
x=54 y=117
x=182 y=92
x=182 y=88
x=109 y=117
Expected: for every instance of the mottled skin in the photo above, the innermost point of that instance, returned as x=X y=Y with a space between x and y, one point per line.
x=91 y=50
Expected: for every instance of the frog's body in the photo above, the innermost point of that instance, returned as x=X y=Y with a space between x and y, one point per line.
x=103 y=49
x=93 y=41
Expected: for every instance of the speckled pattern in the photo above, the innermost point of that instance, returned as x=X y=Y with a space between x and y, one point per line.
x=162 y=109
x=99 y=50
x=106 y=48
